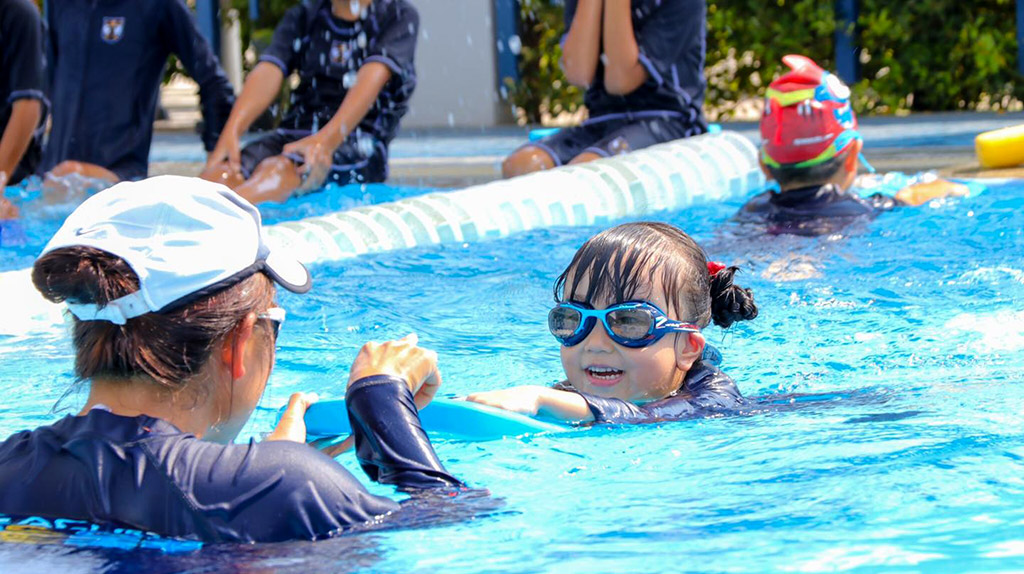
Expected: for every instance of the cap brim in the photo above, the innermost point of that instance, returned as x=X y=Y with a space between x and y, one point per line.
x=288 y=272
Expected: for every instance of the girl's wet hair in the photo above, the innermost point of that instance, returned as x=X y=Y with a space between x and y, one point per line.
x=167 y=347
x=621 y=262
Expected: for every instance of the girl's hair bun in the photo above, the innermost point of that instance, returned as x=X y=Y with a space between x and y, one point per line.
x=730 y=303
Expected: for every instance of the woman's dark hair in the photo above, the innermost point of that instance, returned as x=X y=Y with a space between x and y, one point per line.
x=168 y=347
x=621 y=262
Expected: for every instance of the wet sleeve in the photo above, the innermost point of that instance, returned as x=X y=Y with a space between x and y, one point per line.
x=396 y=45
x=283 y=51
x=272 y=491
x=391 y=445
x=708 y=390
x=21 y=55
x=192 y=49
x=668 y=37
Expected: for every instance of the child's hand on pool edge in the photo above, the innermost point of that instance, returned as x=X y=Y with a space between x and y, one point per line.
x=532 y=400
x=404 y=359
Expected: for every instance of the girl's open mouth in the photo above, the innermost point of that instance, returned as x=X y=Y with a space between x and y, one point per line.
x=603 y=376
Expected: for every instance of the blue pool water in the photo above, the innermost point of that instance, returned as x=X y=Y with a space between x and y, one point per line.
x=887 y=432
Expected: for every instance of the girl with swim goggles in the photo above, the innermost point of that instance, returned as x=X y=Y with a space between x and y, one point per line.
x=629 y=312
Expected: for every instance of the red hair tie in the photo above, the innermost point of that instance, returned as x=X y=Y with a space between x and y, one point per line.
x=714 y=267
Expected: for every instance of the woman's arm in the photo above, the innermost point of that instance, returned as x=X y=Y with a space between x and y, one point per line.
x=623 y=71
x=583 y=43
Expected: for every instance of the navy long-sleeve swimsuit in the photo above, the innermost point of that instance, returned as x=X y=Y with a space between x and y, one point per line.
x=143 y=473
x=106 y=62
x=705 y=390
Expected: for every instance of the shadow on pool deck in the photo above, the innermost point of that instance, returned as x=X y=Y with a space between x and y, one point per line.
x=455 y=158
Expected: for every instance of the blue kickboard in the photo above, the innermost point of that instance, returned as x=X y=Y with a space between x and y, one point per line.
x=442 y=418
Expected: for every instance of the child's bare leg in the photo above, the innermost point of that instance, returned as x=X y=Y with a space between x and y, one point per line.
x=83 y=169
x=525 y=160
x=275 y=179
x=221 y=173
x=585 y=157
x=72 y=178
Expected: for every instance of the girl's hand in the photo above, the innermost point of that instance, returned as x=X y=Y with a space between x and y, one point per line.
x=317 y=154
x=292 y=425
x=403 y=359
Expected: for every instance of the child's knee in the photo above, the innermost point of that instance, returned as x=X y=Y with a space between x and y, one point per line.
x=585 y=157
x=223 y=175
x=526 y=160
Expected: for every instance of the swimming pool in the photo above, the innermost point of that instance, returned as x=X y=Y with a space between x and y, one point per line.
x=887 y=432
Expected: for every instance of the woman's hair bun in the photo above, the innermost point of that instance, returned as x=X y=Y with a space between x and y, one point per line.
x=83 y=275
x=730 y=303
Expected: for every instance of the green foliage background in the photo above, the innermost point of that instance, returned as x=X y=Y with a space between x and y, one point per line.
x=920 y=54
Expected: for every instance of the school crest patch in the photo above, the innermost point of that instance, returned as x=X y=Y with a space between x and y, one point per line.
x=340 y=52
x=113 y=29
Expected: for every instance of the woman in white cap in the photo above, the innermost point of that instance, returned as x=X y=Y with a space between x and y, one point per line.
x=171 y=286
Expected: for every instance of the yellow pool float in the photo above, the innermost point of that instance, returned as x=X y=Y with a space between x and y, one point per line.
x=1000 y=148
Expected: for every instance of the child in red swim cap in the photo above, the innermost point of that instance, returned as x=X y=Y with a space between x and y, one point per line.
x=810 y=146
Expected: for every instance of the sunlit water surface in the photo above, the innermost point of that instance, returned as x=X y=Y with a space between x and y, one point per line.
x=886 y=432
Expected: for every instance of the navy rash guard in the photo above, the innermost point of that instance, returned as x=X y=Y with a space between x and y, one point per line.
x=706 y=390
x=812 y=211
x=671 y=37
x=106 y=62
x=143 y=473
x=21 y=73
x=327 y=53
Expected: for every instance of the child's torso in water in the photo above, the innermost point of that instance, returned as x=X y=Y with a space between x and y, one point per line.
x=814 y=210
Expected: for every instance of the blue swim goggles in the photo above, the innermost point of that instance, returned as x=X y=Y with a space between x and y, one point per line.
x=631 y=324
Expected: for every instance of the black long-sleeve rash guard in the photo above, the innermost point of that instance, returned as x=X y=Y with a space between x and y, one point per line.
x=706 y=390
x=142 y=472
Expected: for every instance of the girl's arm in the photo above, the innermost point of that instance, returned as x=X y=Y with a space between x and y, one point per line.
x=537 y=400
x=582 y=45
x=318 y=149
x=623 y=71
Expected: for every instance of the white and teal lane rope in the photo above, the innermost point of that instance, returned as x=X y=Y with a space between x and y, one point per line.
x=669 y=176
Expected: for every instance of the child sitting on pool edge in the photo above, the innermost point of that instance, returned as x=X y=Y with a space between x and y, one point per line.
x=810 y=146
x=625 y=359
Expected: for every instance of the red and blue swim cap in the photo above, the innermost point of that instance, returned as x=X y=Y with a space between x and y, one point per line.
x=807 y=116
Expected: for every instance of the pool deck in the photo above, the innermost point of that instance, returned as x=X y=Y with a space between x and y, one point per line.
x=454 y=158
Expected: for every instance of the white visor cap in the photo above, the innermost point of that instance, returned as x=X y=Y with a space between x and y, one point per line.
x=184 y=237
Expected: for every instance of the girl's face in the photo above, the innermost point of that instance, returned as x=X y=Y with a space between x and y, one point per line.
x=602 y=367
